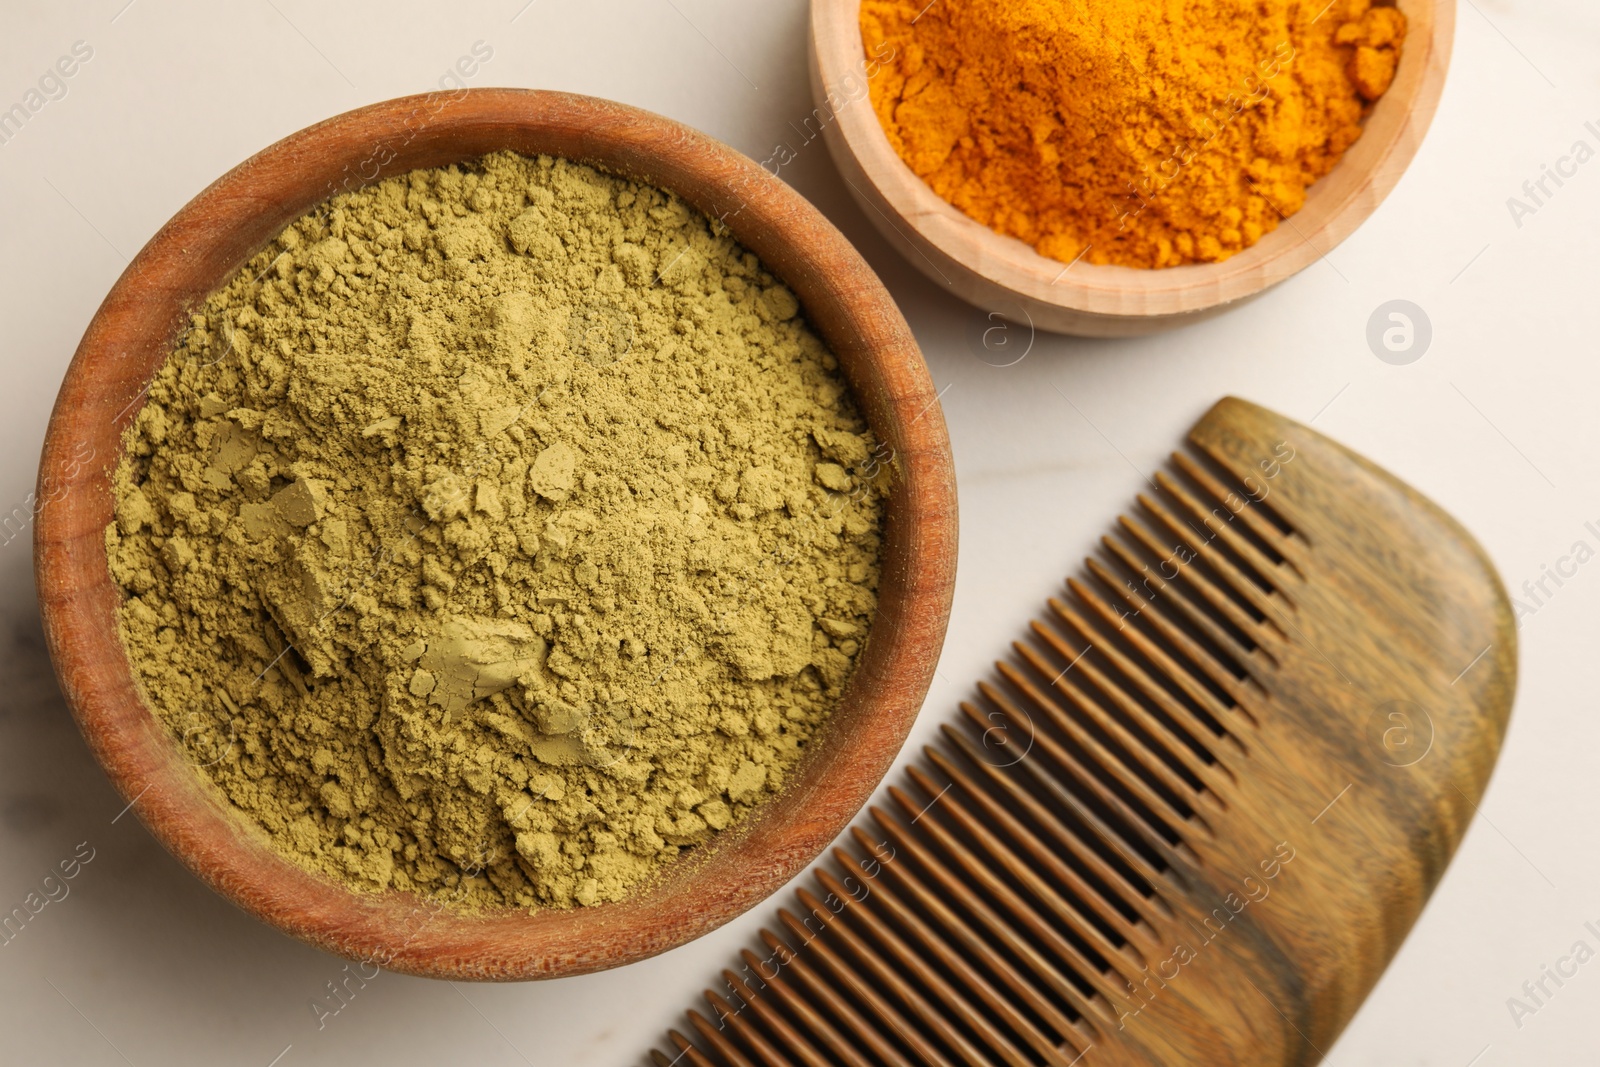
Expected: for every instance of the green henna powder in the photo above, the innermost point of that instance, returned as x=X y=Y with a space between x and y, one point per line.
x=497 y=533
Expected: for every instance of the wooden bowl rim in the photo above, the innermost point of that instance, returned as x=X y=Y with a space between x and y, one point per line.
x=1008 y=275
x=216 y=232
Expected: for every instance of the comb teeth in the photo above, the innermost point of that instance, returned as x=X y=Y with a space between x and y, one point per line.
x=1002 y=909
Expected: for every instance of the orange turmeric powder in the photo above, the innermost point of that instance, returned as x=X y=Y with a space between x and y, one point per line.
x=1147 y=133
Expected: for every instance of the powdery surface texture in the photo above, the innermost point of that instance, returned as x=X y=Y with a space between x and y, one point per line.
x=498 y=533
x=1132 y=132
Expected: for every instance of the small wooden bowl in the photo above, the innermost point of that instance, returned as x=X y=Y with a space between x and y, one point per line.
x=1004 y=276
x=218 y=231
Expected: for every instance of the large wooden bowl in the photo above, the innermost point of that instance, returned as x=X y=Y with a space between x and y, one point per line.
x=218 y=231
x=1006 y=277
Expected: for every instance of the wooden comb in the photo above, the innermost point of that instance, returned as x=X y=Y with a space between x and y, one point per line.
x=1192 y=819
